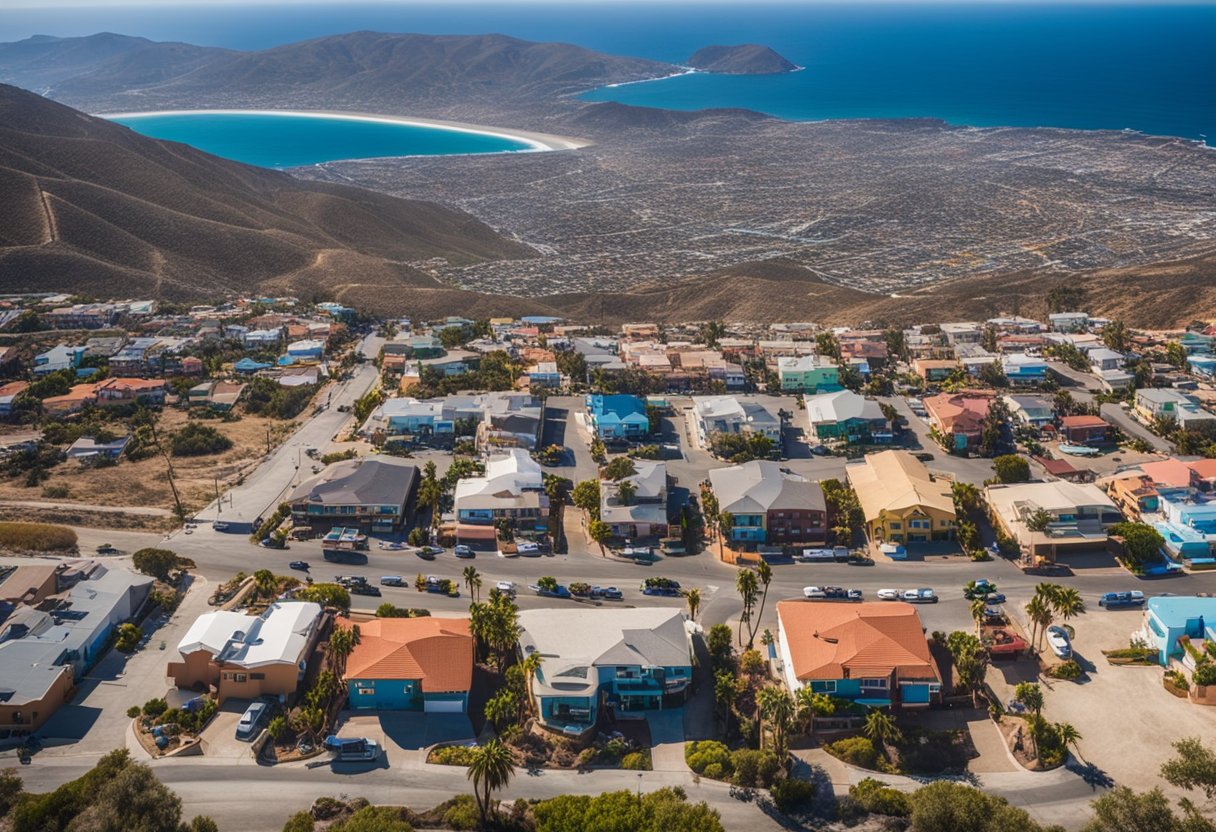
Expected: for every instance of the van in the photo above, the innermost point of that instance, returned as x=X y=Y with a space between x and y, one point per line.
x=527 y=549
x=247 y=728
x=392 y=580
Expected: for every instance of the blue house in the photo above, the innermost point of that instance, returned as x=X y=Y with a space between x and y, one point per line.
x=58 y=358
x=1024 y=370
x=247 y=366
x=411 y=664
x=599 y=659
x=1167 y=619
x=620 y=416
x=1202 y=365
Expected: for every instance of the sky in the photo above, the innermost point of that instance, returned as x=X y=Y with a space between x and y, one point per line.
x=169 y=4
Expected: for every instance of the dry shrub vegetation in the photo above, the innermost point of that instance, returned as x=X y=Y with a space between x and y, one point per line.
x=36 y=537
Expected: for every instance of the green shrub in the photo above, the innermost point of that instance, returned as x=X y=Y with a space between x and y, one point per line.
x=195 y=439
x=155 y=562
x=127 y=637
x=857 y=751
x=452 y=755
x=300 y=822
x=36 y=537
x=155 y=707
x=878 y=798
x=715 y=771
x=791 y=794
x=636 y=761
x=133 y=712
x=1068 y=671
x=703 y=753
x=461 y=813
x=57 y=492
x=1205 y=674
x=755 y=769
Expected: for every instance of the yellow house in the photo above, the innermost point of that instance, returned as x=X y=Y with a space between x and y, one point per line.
x=902 y=502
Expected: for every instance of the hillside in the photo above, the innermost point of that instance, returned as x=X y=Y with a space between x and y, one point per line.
x=91 y=206
x=745 y=59
x=394 y=73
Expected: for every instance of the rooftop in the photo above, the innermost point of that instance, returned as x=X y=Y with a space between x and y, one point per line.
x=279 y=635
x=439 y=651
x=866 y=640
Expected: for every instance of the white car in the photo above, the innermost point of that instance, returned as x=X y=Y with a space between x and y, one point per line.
x=814 y=592
x=507 y=587
x=1058 y=641
x=920 y=596
x=890 y=594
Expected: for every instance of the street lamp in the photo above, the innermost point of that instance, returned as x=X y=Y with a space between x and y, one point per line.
x=639 y=788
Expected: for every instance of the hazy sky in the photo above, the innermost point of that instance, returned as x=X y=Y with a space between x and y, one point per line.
x=168 y=4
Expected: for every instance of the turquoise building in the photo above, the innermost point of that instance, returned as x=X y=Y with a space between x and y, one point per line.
x=1169 y=618
x=620 y=416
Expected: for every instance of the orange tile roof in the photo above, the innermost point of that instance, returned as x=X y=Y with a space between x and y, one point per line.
x=13 y=388
x=439 y=651
x=1172 y=472
x=1205 y=468
x=959 y=412
x=828 y=640
x=132 y=384
x=1083 y=422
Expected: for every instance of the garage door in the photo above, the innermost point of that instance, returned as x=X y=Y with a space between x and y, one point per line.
x=442 y=706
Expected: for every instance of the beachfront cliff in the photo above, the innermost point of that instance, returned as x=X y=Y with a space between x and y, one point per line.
x=745 y=59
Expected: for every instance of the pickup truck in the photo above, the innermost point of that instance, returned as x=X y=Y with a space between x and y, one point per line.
x=1116 y=600
x=353 y=748
x=660 y=586
x=608 y=593
x=557 y=592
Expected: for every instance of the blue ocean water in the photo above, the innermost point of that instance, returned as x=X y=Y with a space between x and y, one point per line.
x=285 y=140
x=1147 y=66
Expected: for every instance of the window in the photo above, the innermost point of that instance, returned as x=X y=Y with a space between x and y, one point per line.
x=257 y=677
x=240 y=677
x=367 y=691
x=896 y=525
x=874 y=683
x=825 y=686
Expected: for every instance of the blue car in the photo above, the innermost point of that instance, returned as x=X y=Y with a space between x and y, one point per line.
x=1118 y=600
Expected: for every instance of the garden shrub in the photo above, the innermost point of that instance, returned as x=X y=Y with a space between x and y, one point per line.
x=462 y=813
x=715 y=771
x=636 y=761
x=878 y=798
x=791 y=794
x=857 y=751
x=755 y=768
x=127 y=637
x=196 y=439
x=1205 y=674
x=704 y=753
x=133 y=712
x=1068 y=671
x=155 y=707
x=452 y=755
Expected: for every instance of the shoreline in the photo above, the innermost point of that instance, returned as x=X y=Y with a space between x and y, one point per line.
x=537 y=142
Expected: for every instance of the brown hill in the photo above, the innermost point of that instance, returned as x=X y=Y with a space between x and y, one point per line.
x=87 y=205
x=744 y=59
x=388 y=72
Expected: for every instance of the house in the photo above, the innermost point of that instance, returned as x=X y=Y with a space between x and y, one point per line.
x=1016 y=324
x=728 y=414
x=87 y=449
x=263 y=338
x=1178 y=476
x=1078 y=515
x=241 y=656
x=845 y=416
x=512 y=489
x=1102 y=358
x=645 y=512
x=1163 y=403
x=1085 y=430
x=131 y=390
x=46 y=649
x=770 y=505
x=544 y=374
x=247 y=366
x=301 y=376
x=808 y=374
x=29 y=584
x=373 y=494
x=71 y=402
x=306 y=351
x=217 y=395
x=453 y=363
x=1068 y=321
x=1024 y=370
x=1188 y=525
x=58 y=358
x=617 y=417
x=1203 y=366
x=9 y=393
x=1171 y=618
x=1134 y=493
x=958 y=418
x=132 y=358
x=410 y=664
x=932 y=370
x=497 y=419
x=901 y=501
x=605 y=659
x=1032 y=411
x=25 y=440
x=873 y=653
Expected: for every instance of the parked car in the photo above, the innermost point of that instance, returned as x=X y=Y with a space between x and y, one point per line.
x=995 y=598
x=392 y=546
x=392 y=580
x=106 y=549
x=660 y=586
x=247 y=728
x=429 y=552
x=814 y=592
x=507 y=587
x=463 y=551
x=820 y=450
x=558 y=591
x=220 y=525
x=353 y=748
x=608 y=593
x=528 y=550
x=978 y=589
x=301 y=565
x=363 y=589
x=890 y=594
x=924 y=595
x=1116 y=600
x=1058 y=641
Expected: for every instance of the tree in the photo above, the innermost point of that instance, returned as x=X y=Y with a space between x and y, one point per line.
x=946 y=806
x=966 y=496
x=10 y=790
x=970 y=659
x=993 y=429
x=1193 y=768
x=776 y=707
x=967 y=534
x=601 y=533
x=726 y=688
x=472 y=580
x=154 y=562
x=1066 y=296
x=327 y=595
x=1039 y=520
x=265 y=582
x=619 y=469
x=1115 y=335
x=1067 y=603
x=726 y=523
x=993 y=375
x=1069 y=735
x=881 y=729
x=662 y=810
x=531 y=664
x=1141 y=543
x=491 y=769
x=827 y=344
x=693 y=597
x=718 y=643
x=586 y=495
x=1040 y=614
x=748 y=587
x=1123 y=810
x=342 y=642
x=810 y=705
x=1011 y=468
x=502 y=709
x=764 y=573
x=626 y=491
x=1031 y=695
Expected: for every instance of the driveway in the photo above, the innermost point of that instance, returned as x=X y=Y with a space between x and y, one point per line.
x=405 y=735
x=667 y=739
x=219 y=737
x=1122 y=419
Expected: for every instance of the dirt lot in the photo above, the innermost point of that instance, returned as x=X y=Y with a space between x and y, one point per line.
x=146 y=483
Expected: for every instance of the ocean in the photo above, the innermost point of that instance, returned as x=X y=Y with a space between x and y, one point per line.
x=1146 y=67
x=282 y=140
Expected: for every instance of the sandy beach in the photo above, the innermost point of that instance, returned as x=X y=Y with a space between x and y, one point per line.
x=536 y=141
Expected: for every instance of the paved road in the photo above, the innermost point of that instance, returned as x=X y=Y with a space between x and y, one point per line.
x=267 y=486
x=1119 y=417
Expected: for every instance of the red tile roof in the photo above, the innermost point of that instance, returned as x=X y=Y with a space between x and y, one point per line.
x=829 y=640
x=439 y=651
x=1069 y=422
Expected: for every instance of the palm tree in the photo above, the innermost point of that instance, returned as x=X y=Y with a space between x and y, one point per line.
x=748 y=588
x=881 y=729
x=811 y=704
x=1030 y=695
x=1069 y=736
x=530 y=665
x=342 y=642
x=264 y=581
x=726 y=522
x=1068 y=603
x=491 y=769
x=472 y=579
x=764 y=573
x=978 y=606
x=777 y=709
x=966 y=496
x=693 y=597
x=1040 y=616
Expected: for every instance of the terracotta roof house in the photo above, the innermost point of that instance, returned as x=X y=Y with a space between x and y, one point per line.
x=959 y=417
x=411 y=664
x=873 y=653
x=1084 y=430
